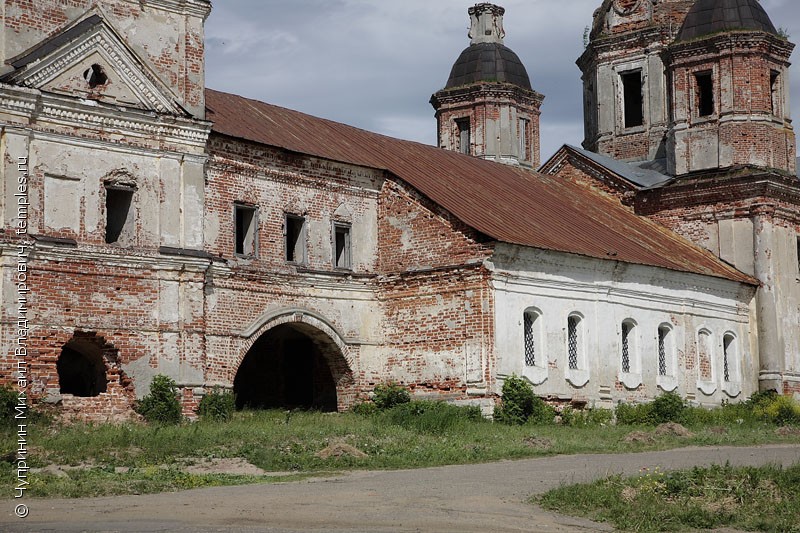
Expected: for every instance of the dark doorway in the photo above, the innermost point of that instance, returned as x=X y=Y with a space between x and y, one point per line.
x=286 y=368
x=81 y=370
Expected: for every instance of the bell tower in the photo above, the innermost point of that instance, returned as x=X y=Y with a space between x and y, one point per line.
x=488 y=108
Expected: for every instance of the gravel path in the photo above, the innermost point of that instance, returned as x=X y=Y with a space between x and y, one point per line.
x=465 y=499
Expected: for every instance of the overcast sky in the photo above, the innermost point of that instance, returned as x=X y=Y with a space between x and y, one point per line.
x=375 y=63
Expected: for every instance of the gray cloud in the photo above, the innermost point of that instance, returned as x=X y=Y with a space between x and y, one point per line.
x=375 y=63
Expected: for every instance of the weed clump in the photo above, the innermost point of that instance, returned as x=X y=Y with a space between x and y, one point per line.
x=427 y=416
x=669 y=407
x=521 y=405
x=162 y=404
x=8 y=403
x=217 y=405
x=388 y=395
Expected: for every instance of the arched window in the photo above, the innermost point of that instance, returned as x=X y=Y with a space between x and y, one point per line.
x=625 y=362
x=664 y=350
x=574 y=341
x=728 y=357
x=532 y=348
x=705 y=355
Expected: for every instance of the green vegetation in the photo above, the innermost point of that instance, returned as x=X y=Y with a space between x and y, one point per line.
x=91 y=460
x=521 y=405
x=162 y=404
x=760 y=499
x=8 y=403
x=217 y=405
x=387 y=395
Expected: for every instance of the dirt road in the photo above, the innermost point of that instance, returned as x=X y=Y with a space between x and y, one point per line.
x=472 y=498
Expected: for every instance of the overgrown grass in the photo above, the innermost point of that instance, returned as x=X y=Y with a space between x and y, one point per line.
x=409 y=435
x=749 y=498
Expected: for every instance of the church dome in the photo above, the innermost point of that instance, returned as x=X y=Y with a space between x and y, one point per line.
x=713 y=16
x=488 y=62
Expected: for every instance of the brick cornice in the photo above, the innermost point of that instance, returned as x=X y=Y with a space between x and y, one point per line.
x=756 y=188
x=724 y=42
x=486 y=91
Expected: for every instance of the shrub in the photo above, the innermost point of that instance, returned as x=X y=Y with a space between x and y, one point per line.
x=635 y=414
x=585 y=417
x=668 y=407
x=162 y=404
x=780 y=410
x=427 y=416
x=364 y=408
x=521 y=405
x=8 y=404
x=387 y=395
x=217 y=405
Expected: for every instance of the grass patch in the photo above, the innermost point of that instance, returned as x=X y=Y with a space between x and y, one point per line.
x=137 y=458
x=754 y=499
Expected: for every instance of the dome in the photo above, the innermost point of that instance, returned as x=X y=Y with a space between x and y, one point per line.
x=488 y=62
x=712 y=16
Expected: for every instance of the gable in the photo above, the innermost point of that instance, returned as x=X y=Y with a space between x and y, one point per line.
x=90 y=60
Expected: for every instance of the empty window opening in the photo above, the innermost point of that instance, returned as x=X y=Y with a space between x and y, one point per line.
x=464 y=139
x=573 y=341
x=524 y=150
x=246 y=223
x=95 y=76
x=627 y=327
x=529 y=325
x=632 y=98
x=663 y=333
x=728 y=353
x=81 y=370
x=774 y=92
x=798 y=256
x=341 y=246
x=119 y=213
x=705 y=94
x=291 y=366
x=295 y=239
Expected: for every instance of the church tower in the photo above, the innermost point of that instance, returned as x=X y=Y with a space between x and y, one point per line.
x=625 y=90
x=488 y=108
x=728 y=73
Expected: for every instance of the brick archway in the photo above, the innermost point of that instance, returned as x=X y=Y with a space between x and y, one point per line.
x=294 y=359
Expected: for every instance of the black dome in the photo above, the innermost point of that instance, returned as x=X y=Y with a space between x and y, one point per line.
x=712 y=16
x=488 y=62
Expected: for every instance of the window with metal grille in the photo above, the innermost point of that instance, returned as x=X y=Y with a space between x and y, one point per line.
x=663 y=332
x=530 y=338
x=626 y=352
x=728 y=349
x=573 y=341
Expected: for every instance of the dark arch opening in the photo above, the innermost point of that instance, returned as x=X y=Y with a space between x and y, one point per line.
x=81 y=369
x=290 y=366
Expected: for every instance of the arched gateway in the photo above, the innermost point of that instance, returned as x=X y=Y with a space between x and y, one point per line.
x=294 y=361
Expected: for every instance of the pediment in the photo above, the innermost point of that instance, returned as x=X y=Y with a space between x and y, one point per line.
x=90 y=60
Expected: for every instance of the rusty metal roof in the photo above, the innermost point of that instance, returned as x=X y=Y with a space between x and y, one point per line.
x=505 y=203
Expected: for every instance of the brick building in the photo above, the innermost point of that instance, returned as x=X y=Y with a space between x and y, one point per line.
x=166 y=228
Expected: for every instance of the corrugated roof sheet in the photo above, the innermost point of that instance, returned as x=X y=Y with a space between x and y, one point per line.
x=508 y=204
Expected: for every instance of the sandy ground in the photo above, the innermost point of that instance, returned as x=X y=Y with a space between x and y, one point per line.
x=473 y=498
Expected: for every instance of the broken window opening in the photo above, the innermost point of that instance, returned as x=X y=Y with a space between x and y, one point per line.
x=341 y=246
x=774 y=92
x=81 y=371
x=524 y=150
x=119 y=213
x=705 y=94
x=633 y=100
x=295 y=239
x=246 y=235
x=464 y=140
x=95 y=76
